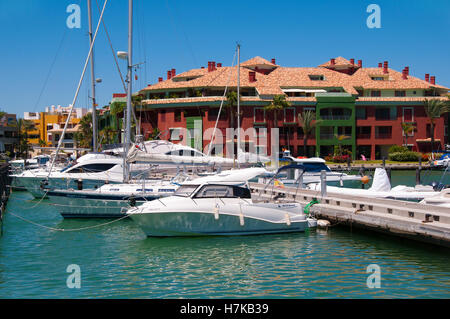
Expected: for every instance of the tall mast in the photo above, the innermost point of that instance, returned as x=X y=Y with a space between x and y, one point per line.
x=238 y=103
x=129 y=88
x=94 y=105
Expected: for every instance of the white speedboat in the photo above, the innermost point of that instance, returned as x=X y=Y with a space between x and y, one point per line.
x=108 y=201
x=34 y=162
x=218 y=205
x=88 y=172
x=441 y=199
x=381 y=188
x=167 y=154
x=308 y=170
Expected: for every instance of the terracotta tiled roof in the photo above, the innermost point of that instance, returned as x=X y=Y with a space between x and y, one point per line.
x=292 y=77
x=257 y=61
x=300 y=77
x=363 y=78
x=339 y=61
x=192 y=73
x=405 y=99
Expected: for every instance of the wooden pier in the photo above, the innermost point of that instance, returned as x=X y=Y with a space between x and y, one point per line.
x=426 y=223
x=5 y=180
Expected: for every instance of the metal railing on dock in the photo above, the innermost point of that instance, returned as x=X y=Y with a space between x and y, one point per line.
x=412 y=220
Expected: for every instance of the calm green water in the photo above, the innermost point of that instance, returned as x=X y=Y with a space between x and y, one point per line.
x=118 y=261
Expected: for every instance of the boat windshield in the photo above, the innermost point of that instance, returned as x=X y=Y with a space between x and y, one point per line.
x=185 y=190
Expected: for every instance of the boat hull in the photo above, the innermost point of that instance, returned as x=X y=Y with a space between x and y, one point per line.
x=92 y=205
x=168 y=224
x=33 y=184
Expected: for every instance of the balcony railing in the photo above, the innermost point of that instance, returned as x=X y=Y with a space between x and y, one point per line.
x=363 y=135
x=335 y=117
x=326 y=136
x=383 y=135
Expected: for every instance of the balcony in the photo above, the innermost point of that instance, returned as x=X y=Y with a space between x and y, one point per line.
x=326 y=136
x=363 y=136
x=383 y=135
x=335 y=117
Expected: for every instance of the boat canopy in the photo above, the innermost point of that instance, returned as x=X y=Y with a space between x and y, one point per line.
x=306 y=167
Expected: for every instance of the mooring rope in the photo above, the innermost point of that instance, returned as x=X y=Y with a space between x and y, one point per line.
x=68 y=230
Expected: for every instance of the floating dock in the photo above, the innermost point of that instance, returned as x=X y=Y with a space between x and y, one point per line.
x=425 y=223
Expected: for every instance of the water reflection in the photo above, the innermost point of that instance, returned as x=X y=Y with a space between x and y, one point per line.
x=117 y=260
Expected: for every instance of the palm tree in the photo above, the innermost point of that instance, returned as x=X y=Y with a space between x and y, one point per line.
x=279 y=103
x=407 y=128
x=23 y=127
x=434 y=110
x=107 y=135
x=83 y=136
x=307 y=120
x=341 y=138
x=231 y=105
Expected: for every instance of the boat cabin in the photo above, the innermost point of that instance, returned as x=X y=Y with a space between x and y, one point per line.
x=213 y=191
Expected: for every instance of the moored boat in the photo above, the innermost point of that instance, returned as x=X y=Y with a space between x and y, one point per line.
x=218 y=205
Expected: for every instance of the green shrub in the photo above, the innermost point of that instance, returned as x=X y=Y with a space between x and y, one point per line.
x=397 y=149
x=407 y=156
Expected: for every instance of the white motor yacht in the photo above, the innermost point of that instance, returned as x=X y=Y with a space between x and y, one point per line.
x=218 y=205
x=166 y=154
x=109 y=201
x=308 y=170
x=381 y=188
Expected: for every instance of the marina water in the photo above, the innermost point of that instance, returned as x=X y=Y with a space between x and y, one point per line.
x=118 y=261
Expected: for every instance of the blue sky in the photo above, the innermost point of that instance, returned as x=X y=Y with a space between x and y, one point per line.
x=36 y=43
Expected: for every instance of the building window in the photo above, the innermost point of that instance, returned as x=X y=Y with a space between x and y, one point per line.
x=382 y=114
x=259 y=115
x=177 y=115
x=213 y=112
x=375 y=93
x=300 y=133
x=363 y=131
x=326 y=132
x=361 y=113
x=383 y=132
x=400 y=93
x=408 y=114
x=289 y=115
x=344 y=130
x=316 y=77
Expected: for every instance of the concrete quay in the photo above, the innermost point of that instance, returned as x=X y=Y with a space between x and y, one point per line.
x=425 y=223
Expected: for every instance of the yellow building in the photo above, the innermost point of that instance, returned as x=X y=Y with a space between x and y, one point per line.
x=50 y=124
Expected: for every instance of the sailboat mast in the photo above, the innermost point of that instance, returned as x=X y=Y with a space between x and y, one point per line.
x=129 y=88
x=238 y=104
x=94 y=105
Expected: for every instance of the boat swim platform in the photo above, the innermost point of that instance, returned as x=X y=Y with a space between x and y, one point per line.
x=420 y=222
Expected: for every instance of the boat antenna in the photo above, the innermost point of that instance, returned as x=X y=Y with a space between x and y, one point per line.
x=238 y=104
x=94 y=103
x=129 y=90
